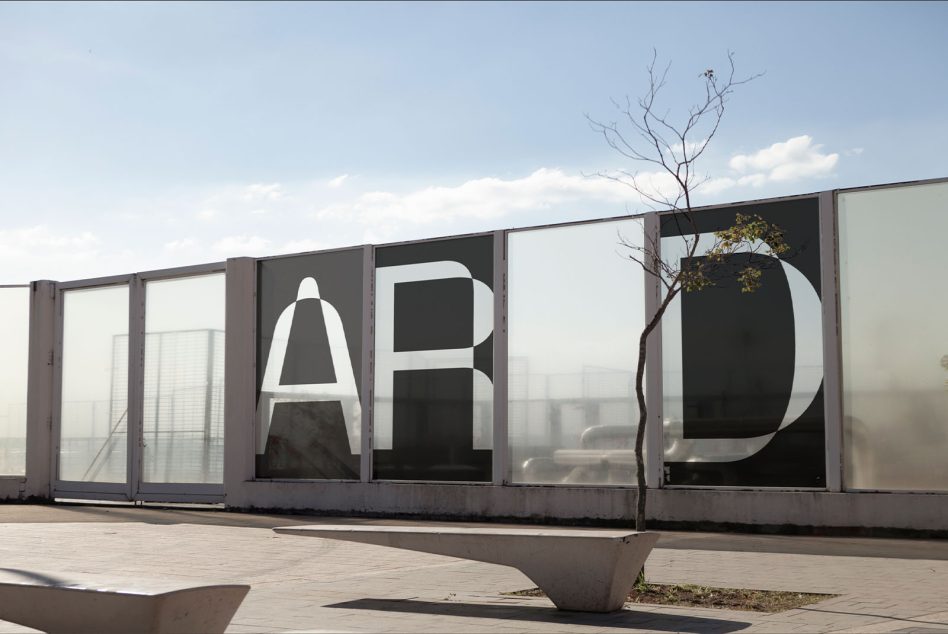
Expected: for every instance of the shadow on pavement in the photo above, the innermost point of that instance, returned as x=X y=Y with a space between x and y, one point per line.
x=625 y=619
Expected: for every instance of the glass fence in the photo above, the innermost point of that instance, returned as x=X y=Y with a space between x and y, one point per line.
x=742 y=402
x=894 y=324
x=93 y=442
x=575 y=308
x=15 y=326
x=183 y=409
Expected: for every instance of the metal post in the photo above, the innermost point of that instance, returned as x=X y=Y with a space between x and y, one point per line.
x=832 y=364
x=136 y=371
x=368 y=360
x=40 y=460
x=654 y=442
x=501 y=461
x=240 y=383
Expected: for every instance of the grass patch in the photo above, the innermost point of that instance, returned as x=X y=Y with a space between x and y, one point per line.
x=686 y=595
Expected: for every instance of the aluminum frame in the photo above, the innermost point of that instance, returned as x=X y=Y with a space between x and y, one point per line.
x=60 y=488
x=368 y=363
x=832 y=351
x=654 y=401
x=134 y=488
x=160 y=491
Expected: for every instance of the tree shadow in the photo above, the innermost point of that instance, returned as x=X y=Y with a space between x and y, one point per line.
x=624 y=619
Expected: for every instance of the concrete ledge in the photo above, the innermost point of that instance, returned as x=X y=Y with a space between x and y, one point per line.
x=11 y=487
x=582 y=570
x=54 y=604
x=899 y=511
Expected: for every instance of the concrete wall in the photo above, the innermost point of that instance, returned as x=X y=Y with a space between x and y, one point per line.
x=900 y=511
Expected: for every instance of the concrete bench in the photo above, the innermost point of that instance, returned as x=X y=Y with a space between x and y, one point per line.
x=57 y=603
x=584 y=570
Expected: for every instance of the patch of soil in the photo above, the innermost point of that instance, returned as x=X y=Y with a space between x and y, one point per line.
x=686 y=595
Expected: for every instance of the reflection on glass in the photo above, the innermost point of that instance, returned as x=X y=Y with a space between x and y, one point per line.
x=575 y=312
x=183 y=414
x=15 y=326
x=893 y=313
x=94 y=418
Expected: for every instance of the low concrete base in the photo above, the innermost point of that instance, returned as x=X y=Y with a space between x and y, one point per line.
x=53 y=604
x=582 y=570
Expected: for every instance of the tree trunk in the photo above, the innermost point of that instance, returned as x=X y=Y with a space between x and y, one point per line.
x=640 y=432
x=643 y=411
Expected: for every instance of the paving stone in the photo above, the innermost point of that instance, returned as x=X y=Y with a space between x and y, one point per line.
x=312 y=585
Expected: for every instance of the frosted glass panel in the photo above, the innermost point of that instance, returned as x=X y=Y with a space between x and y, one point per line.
x=14 y=348
x=575 y=313
x=94 y=419
x=183 y=414
x=894 y=311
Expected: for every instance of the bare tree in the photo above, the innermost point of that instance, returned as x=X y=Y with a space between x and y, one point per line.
x=644 y=134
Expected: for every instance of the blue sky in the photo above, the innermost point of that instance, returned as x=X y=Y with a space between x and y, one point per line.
x=138 y=136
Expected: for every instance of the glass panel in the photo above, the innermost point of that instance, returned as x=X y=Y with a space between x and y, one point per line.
x=94 y=416
x=15 y=326
x=575 y=313
x=743 y=372
x=183 y=414
x=434 y=360
x=309 y=346
x=893 y=308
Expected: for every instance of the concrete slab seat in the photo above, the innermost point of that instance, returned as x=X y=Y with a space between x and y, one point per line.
x=583 y=570
x=57 y=603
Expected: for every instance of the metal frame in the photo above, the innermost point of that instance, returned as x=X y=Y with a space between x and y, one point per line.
x=40 y=380
x=501 y=446
x=654 y=401
x=159 y=491
x=368 y=362
x=832 y=352
x=73 y=488
x=134 y=488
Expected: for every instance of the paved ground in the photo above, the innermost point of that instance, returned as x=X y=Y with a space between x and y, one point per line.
x=312 y=585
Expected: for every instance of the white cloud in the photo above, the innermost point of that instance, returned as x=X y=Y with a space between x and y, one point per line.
x=37 y=252
x=337 y=182
x=299 y=246
x=788 y=160
x=243 y=245
x=482 y=198
x=184 y=244
x=263 y=192
x=692 y=146
x=207 y=214
x=28 y=240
